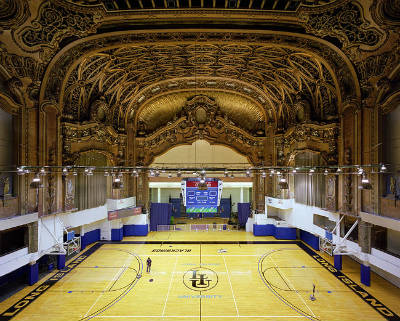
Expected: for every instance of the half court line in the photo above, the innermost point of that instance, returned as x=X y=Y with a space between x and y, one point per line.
x=230 y=283
x=169 y=288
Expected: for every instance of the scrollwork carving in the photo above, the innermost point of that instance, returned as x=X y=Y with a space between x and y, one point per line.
x=347 y=24
x=13 y=13
x=54 y=23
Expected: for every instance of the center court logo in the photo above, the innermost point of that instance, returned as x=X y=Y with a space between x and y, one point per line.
x=200 y=279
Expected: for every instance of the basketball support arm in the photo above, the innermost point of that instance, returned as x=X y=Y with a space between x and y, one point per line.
x=59 y=246
x=340 y=248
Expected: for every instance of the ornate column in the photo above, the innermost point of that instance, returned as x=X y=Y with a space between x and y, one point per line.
x=349 y=154
x=50 y=197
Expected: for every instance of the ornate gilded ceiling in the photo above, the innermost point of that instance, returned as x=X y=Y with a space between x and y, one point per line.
x=276 y=59
x=239 y=109
x=122 y=73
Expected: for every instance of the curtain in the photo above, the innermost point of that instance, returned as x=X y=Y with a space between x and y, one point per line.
x=243 y=213
x=91 y=191
x=309 y=189
x=160 y=214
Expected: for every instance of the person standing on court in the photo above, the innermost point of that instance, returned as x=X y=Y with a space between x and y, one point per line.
x=148 y=262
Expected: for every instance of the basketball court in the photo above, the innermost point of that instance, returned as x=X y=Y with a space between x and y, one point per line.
x=258 y=280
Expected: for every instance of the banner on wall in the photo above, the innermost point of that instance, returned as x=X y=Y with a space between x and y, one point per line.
x=200 y=200
x=125 y=212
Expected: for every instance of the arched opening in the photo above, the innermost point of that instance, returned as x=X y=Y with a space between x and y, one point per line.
x=237 y=187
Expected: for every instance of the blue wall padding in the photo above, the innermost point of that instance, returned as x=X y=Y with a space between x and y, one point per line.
x=90 y=237
x=259 y=230
x=365 y=275
x=271 y=229
x=280 y=233
x=60 y=261
x=33 y=273
x=136 y=230
x=310 y=239
x=285 y=233
x=117 y=234
x=337 y=262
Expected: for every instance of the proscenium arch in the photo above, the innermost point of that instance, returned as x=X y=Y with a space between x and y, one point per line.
x=54 y=83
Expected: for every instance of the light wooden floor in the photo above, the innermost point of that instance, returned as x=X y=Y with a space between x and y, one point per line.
x=257 y=282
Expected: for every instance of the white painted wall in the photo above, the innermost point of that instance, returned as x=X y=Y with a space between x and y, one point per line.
x=301 y=216
x=117 y=204
x=140 y=219
x=84 y=217
x=19 y=220
x=15 y=260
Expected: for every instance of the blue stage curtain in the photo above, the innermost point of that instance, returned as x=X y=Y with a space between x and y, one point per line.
x=160 y=214
x=243 y=213
x=176 y=207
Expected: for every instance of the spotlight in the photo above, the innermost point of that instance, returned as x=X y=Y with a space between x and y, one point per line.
x=169 y=175
x=65 y=171
x=134 y=172
x=360 y=171
x=203 y=172
x=42 y=171
x=263 y=174
x=272 y=171
x=88 y=171
x=326 y=172
x=117 y=184
x=248 y=173
x=151 y=173
x=20 y=171
x=157 y=173
x=75 y=173
x=294 y=171
x=383 y=168
x=106 y=174
x=36 y=182
x=312 y=170
x=365 y=184
x=278 y=173
x=283 y=184
x=226 y=173
x=339 y=170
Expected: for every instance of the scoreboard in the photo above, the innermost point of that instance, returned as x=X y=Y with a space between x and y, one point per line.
x=199 y=200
